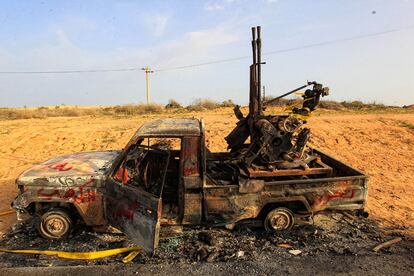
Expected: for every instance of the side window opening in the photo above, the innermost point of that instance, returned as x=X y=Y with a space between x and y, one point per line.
x=145 y=167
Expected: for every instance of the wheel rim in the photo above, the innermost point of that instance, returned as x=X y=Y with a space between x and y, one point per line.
x=278 y=220
x=55 y=226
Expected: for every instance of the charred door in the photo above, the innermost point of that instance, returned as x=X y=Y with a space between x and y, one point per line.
x=133 y=195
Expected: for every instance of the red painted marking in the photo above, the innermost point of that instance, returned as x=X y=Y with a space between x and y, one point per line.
x=122 y=175
x=127 y=211
x=325 y=198
x=70 y=194
x=62 y=167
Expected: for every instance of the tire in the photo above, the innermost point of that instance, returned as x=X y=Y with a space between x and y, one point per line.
x=279 y=220
x=55 y=224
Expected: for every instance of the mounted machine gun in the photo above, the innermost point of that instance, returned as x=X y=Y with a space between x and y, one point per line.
x=276 y=141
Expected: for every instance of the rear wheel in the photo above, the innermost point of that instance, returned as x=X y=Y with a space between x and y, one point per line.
x=278 y=220
x=55 y=224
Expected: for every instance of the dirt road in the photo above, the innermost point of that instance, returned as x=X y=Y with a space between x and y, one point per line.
x=341 y=265
x=380 y=144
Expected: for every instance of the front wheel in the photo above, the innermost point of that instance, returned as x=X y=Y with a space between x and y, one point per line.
x=278 y=220
x=55 y=224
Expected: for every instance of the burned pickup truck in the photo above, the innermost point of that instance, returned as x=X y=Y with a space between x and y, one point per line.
x=166 y=176
x=151 y=183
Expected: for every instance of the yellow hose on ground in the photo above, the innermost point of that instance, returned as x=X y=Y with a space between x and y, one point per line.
x=134 y=251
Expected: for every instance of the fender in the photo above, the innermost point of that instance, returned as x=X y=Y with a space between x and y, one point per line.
x=288 y=199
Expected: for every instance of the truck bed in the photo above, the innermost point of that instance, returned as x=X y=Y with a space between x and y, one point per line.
x=238 y=196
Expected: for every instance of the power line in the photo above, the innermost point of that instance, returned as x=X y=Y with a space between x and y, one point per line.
x=323 y=43
x=202 y=64
x=328 y=42
x=71 y=71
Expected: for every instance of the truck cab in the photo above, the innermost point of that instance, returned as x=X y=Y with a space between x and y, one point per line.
x=157 y=180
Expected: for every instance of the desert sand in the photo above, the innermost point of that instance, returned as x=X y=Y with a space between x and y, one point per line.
x=378 y=144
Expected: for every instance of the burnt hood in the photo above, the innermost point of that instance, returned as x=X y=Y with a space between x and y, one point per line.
x=82 y=164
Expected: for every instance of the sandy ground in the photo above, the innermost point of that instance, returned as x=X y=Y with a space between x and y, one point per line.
x=375 y=143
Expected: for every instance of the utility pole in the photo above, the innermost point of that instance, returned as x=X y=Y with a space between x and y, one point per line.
x=147 y=71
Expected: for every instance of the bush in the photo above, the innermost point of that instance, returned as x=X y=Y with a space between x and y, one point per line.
x=131 y=109
x=332 y=105
x=173 y=104
x=358 y=105
x=280 y=102
x=228 y=103
x=41 y=112
x=353 y=104
x=199 y=105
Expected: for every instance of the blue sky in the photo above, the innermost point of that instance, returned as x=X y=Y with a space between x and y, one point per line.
x=82 y=35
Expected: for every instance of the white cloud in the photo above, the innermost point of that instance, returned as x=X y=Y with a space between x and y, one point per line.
x=195 y=46
x=157 y=23
x=213 y=6
x=216 y=5
x=63 y=38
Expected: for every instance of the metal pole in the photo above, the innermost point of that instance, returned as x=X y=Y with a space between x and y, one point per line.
x=147 y=71
x=253 y=77
x=259 y=70
x=147 y=81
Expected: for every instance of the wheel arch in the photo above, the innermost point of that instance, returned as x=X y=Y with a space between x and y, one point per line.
x=41 y=207
x=297 y=204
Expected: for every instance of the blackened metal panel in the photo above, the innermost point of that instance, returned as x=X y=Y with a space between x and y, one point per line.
x=227 y=205
x=192 y=182
x=192 y=208
x=250 y=185
x=135 y=212
x=171 y=127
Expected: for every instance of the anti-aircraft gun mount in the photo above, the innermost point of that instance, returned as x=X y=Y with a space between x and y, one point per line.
x=278 y=143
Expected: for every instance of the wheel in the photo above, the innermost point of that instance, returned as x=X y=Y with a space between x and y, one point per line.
x=278 y=220
x=55 y=224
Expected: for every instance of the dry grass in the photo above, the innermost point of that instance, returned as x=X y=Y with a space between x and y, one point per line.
x=407 y=125
x=203 y=104
x=331 y=105
x=174 y=106
x=44 y=112
x=131 y=109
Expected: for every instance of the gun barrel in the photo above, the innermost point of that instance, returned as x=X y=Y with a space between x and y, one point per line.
x=287 y=94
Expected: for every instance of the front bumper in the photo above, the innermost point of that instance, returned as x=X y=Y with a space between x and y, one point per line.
x=20 y=203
